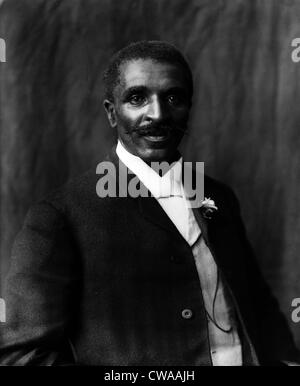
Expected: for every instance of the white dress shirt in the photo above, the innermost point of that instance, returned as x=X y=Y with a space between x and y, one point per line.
x=169 y=192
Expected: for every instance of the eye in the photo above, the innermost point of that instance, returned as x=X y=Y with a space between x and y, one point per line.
x=136 y=99
x=174 y=99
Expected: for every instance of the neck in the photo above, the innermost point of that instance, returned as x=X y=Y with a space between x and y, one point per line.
x=174 y=158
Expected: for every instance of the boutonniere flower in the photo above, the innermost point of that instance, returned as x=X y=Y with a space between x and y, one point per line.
x=208 y=208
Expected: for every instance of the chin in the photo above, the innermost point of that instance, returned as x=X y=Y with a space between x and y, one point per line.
x=156 y=155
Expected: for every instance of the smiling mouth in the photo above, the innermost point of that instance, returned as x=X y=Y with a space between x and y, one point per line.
x=156 y=138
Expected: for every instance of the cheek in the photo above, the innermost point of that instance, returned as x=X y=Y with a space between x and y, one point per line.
x=131 y=116
x=181 y=120
x=182 y=114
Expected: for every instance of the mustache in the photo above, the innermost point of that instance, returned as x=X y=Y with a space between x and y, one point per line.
x=157 y=129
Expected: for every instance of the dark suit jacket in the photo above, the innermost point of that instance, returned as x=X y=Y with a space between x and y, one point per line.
x=103 y=281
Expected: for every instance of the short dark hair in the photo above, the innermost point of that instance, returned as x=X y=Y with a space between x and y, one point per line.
x=152 y=49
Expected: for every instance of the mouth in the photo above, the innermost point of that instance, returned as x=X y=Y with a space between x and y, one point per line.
x=157 y=138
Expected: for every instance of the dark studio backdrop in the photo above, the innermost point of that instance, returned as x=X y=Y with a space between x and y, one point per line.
x=244 y=123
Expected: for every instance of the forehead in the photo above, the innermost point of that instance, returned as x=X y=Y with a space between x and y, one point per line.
x=151 y=74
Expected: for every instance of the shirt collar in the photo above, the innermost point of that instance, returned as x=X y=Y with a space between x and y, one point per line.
x=170 y=184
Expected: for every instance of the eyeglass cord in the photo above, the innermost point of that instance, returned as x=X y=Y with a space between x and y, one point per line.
x=213 y=318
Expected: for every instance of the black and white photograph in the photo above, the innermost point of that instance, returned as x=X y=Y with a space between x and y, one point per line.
x=149 y=185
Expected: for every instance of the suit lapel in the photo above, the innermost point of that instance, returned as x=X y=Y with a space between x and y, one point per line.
x=149 y=207
x=202 y=224
x=152 y=211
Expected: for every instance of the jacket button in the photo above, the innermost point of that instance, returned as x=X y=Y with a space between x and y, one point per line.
x=187 y=313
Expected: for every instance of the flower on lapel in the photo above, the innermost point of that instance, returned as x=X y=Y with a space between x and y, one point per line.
x=208 y=208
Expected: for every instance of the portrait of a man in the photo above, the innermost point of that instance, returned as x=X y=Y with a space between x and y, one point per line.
x=119 y=278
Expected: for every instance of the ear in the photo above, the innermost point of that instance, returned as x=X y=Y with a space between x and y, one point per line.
x=110 y=111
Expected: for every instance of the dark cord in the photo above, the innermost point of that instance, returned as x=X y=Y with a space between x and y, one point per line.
x=213 y=318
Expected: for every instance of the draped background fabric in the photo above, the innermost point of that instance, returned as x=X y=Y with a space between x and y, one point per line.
x=244 y=123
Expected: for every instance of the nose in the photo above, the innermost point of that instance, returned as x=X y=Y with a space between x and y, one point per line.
x=155 y=110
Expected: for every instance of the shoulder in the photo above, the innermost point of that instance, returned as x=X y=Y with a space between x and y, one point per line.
x=52 y=211
x=73 y=193
x=221 y=193
x=210 y=187
x=54 y=214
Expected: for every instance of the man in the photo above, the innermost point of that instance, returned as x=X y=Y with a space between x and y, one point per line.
x=122 y=280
